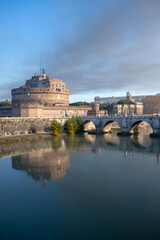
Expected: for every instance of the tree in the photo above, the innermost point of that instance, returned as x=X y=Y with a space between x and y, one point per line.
x=80 y=104
x=74 y=125
x=5 y=104
x=56 y=128
x=80 y=124
x=125 y=102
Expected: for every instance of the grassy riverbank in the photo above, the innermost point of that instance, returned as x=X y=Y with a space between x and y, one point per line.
x=28 y=137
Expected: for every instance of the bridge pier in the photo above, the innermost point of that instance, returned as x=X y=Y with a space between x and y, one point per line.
x=125 y=131
x=156 y=133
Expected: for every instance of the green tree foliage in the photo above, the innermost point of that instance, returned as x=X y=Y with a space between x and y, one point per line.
x=56 y=128
x=5 y=104
x=74 y=125
x=136 y=132
x=109 y=107
x=80 y=104
x=80 y=124
x=126 y=102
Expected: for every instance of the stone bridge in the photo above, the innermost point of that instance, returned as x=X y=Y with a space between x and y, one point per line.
x=126 y=123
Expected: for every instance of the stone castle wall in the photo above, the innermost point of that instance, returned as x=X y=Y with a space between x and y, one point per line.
x=38 y=110
x=45 y=96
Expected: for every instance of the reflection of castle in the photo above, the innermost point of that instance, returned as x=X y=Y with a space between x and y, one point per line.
x=43 y=165
x=49 y=159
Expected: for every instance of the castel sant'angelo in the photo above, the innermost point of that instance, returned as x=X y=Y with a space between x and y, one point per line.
x=42 y=96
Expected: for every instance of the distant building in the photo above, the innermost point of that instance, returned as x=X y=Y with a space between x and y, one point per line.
x=128 y=106
x=112 y=100
x=129 y=109
x=5 y=111
x=5 y=108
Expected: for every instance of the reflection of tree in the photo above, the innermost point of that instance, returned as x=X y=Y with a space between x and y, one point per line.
x=56 y=142
x=74 y=142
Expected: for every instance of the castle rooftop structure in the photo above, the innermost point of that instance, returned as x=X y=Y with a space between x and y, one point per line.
x=42 y=90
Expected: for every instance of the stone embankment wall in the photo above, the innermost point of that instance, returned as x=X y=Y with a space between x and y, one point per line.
x=11 y=125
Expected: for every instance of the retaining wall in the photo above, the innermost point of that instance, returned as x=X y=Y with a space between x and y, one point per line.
x=19 y=124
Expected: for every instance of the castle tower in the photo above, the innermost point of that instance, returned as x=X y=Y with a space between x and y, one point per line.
x=129 y=96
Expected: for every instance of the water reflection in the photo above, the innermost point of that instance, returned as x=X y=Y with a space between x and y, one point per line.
x=141 y=141
x=112 y=139
x=43 y=166
x=49 y=159
x=102 y=196
x=90 y=137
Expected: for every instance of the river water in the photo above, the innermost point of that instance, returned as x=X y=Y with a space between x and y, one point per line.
x=81 y=187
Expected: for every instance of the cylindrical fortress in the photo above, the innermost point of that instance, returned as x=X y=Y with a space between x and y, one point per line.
x=40 y=90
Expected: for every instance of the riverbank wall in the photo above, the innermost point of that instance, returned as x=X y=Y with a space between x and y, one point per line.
x=16 y=125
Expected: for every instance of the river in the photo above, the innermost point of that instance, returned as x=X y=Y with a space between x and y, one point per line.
x=81 y=187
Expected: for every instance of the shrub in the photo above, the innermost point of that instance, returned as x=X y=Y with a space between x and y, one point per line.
x=56 y=128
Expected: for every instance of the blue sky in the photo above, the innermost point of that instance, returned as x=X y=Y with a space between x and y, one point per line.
x=97 y=47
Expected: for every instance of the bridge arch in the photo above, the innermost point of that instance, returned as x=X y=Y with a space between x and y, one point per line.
x=89 y=126
x=109 y=125
x=141 y=124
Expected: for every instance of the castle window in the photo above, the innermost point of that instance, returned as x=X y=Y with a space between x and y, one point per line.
x=58 y=89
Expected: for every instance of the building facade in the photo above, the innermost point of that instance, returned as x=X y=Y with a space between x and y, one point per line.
x=129 y=109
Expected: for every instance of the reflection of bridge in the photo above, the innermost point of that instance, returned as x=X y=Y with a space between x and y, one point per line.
x=131 y=144
x=126 y=123
x=49 y=159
